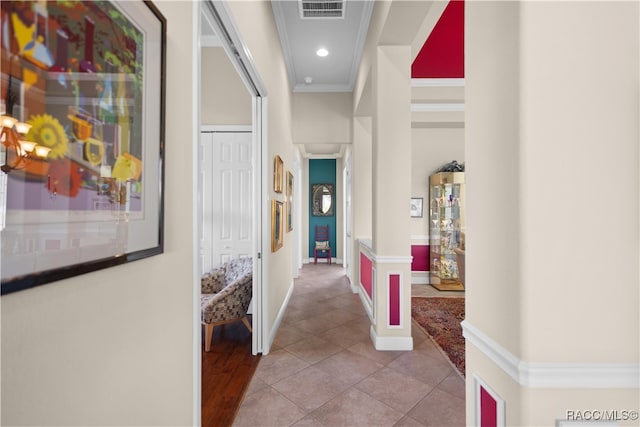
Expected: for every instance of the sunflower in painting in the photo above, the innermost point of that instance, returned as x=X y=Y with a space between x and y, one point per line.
x=48 y=131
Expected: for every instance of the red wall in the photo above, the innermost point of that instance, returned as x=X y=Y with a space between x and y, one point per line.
x=420 y=254
x=442 y=55
x=366 y=274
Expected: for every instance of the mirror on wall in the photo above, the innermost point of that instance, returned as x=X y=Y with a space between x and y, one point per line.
x=322 y=199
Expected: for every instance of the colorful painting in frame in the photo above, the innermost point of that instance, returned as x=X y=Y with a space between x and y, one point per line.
x=89 y=77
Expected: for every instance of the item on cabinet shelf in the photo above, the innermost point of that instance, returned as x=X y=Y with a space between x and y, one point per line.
x=454 y=166
x=446 y=211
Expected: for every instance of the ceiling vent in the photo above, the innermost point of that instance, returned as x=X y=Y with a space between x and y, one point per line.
x=321 y=8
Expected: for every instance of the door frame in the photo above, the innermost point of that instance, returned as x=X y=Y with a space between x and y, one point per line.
x=219 y=16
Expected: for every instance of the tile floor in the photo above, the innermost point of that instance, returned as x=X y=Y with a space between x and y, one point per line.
x=324 y=371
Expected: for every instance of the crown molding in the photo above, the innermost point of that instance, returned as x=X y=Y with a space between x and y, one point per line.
x=437 y=82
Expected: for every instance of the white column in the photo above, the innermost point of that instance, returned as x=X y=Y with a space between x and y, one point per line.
x=391 y=198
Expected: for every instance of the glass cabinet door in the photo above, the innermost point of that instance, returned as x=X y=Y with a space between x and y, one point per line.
x=446 y=215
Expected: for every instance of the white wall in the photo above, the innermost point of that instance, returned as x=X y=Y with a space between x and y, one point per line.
x=322 y=117
x=224 y=98
x=362 y=186
x=114 y=347
x=553 y=204
x=431 y=148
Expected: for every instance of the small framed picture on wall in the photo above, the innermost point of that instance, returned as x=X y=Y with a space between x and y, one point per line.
x=278 y=174
x=416 y=207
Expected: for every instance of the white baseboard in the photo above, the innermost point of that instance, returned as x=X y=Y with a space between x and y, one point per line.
x=420 y=280
x=391 y=343
x=276 y=324
x=554 y=375
x=323 y=261
x=354 y=288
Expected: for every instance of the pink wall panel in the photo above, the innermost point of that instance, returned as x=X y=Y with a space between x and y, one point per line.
x=420 y=254
x=366 y=274
x=488 y=409
x=394 y=300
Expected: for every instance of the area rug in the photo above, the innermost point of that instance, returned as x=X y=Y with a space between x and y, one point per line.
x=440 y=318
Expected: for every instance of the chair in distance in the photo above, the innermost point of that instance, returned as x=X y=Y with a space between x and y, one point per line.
x=322 y=243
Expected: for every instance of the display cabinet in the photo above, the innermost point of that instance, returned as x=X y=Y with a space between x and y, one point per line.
x=446 y=213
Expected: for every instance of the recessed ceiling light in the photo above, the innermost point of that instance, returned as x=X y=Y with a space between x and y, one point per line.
x=308 y=80
x=322 y=52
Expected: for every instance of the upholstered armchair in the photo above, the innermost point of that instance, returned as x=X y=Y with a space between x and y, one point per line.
x=225 y=295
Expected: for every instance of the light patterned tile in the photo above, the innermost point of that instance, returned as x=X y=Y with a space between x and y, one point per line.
x=440 y=408
x=339 y=316
x=316 y=325
x=308 y=421
x=350 y=383
x=366 y=349
x=313 y=349
x=310 y=388
x=267 y=408
x=427 y=369
x=278 y=365
x=256 y=385
x=399 y=391
x=453 y=384
x=408 y=422
x=355 y=408
x=349 y=366
x=345 y=336
x=289 y=334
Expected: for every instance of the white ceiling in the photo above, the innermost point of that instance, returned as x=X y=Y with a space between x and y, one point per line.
x=343 y=37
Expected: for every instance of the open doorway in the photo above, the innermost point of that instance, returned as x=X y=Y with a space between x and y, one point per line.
x=230 y=211
x=231 y=112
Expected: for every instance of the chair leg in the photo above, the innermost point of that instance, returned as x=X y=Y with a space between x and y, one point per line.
x=315 y=256
x=208 y=336
x=247 y=324
x=329 y=254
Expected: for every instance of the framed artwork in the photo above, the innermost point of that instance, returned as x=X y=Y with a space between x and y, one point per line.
x=88 y=80
x=417 y=207
x=277 y=225
x=278 y=171
x=289 y=201
x=289 y=184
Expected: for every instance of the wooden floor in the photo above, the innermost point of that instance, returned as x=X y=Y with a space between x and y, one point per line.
x=226 y=373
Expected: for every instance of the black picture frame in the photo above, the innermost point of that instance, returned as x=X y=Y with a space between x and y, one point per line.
x=107 y=209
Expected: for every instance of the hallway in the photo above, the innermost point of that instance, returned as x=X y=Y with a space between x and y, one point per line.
x=324 y=371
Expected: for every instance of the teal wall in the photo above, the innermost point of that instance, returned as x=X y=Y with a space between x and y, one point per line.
x=322 y=171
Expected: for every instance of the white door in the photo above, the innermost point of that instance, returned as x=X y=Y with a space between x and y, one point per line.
x=227 y=197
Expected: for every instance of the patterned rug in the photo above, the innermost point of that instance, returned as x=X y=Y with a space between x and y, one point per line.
x=440 y=318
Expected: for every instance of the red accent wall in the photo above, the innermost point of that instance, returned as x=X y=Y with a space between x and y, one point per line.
x=420 y=254
x=488 y=409
x=442 y=55
x=366 y=275
x=394 y=299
